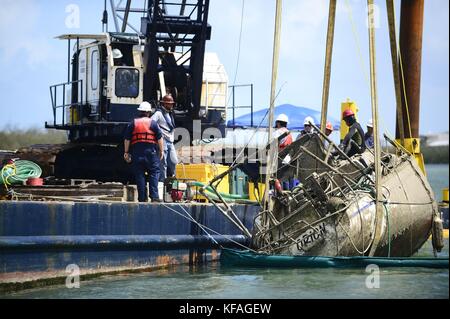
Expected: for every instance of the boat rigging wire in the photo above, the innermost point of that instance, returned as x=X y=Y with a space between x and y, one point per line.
x=239 y=43
x=203 y=227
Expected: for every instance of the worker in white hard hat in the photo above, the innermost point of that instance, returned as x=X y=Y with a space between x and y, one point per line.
x=284 y=140
x=307 y=127
x=368 y=136
x=117 y=56
x=144 y=149
x=281 y=128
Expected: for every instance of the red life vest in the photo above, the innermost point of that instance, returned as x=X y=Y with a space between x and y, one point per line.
x=142 y=132
x=287 y=140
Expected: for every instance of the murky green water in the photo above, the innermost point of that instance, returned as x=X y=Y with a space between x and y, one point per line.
x=438 y=176
x=213 y=281
x=234 y=283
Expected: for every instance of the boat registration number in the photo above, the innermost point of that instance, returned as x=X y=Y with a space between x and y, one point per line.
x=311 y=237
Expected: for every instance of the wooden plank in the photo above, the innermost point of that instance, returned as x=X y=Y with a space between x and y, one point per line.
x=71 y=193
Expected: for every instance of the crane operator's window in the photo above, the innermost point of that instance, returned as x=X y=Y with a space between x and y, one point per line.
x=127 y=82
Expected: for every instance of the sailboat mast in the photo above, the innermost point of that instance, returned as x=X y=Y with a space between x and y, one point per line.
x=276 y=53
x=376 y=134
x=327 y=67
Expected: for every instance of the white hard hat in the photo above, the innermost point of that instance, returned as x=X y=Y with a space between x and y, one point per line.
x=282 y=118
x=117 y=54
x=145 y=107
x=370 y=123
x=308 y=120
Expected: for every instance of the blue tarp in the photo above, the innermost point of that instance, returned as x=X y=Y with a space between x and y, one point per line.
x=296 y=114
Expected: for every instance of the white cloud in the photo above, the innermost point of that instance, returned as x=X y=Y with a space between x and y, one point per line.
x=19 y=27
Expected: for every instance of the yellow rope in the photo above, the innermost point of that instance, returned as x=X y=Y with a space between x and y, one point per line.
x=6 y=176
x=358 y=46
x=404 y=93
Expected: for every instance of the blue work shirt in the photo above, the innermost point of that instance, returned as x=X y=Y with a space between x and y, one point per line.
x=141 y=147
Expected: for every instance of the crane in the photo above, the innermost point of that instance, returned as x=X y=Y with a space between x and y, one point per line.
x=111 y=73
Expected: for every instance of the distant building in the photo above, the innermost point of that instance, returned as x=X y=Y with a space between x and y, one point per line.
x=437 y=139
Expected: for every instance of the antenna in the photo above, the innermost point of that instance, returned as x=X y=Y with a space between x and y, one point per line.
x=105 y=19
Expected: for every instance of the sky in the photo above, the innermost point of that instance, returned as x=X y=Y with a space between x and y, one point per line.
x=31 y=59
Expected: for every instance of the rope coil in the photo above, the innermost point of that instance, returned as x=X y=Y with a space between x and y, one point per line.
x=19 y=172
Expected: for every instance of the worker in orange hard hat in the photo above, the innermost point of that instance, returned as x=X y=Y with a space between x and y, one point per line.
x=328 y=128
x=353 y=142
x=328 y=131
x=164 y=117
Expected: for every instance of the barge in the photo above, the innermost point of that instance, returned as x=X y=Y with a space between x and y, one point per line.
x=39 y=240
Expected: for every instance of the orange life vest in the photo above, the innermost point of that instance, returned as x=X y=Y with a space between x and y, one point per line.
x=287 y=140
x=142 y=132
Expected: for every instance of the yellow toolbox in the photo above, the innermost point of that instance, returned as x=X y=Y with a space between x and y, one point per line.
x=203 y=173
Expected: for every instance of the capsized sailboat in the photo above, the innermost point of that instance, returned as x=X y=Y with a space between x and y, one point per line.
x=332 y=211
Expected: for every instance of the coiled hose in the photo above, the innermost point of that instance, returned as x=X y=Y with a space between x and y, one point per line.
x=19 y=172
x=227 y=197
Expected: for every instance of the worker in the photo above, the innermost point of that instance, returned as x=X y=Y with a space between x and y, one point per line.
x=164 y=117
x=328 y=128
x=281 y=128
x=328 y=131
x=368 y=137
x=353 y=142
x=118 y=56
x=307 y=127
x=284 y=140
x=143 y=148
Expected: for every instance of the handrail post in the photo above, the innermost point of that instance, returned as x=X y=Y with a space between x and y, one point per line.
x=251 y=104
x=81 y=104
x=56 y=101
x=233 y=106
x=64 y=105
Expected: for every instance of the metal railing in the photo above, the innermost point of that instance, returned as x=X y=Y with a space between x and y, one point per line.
x=54 y=89
x=234 y=106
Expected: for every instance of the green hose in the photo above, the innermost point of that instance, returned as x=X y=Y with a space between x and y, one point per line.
x=211 y=190
x=228 y=197
x=19 y=172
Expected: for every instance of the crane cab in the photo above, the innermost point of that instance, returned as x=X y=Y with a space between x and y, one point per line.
x=104 y=87
x=107 y=82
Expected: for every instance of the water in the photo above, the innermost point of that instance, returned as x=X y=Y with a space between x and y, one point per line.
x=438 y=177
x=212 y=281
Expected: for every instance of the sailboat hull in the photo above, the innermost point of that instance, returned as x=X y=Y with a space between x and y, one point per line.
x=345 y=225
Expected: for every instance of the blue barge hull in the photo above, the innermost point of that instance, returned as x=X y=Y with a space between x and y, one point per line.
x=38 y=240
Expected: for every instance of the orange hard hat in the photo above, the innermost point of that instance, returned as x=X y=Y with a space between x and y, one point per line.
x=168 y=99
x=347 y=113
x=329 y=126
